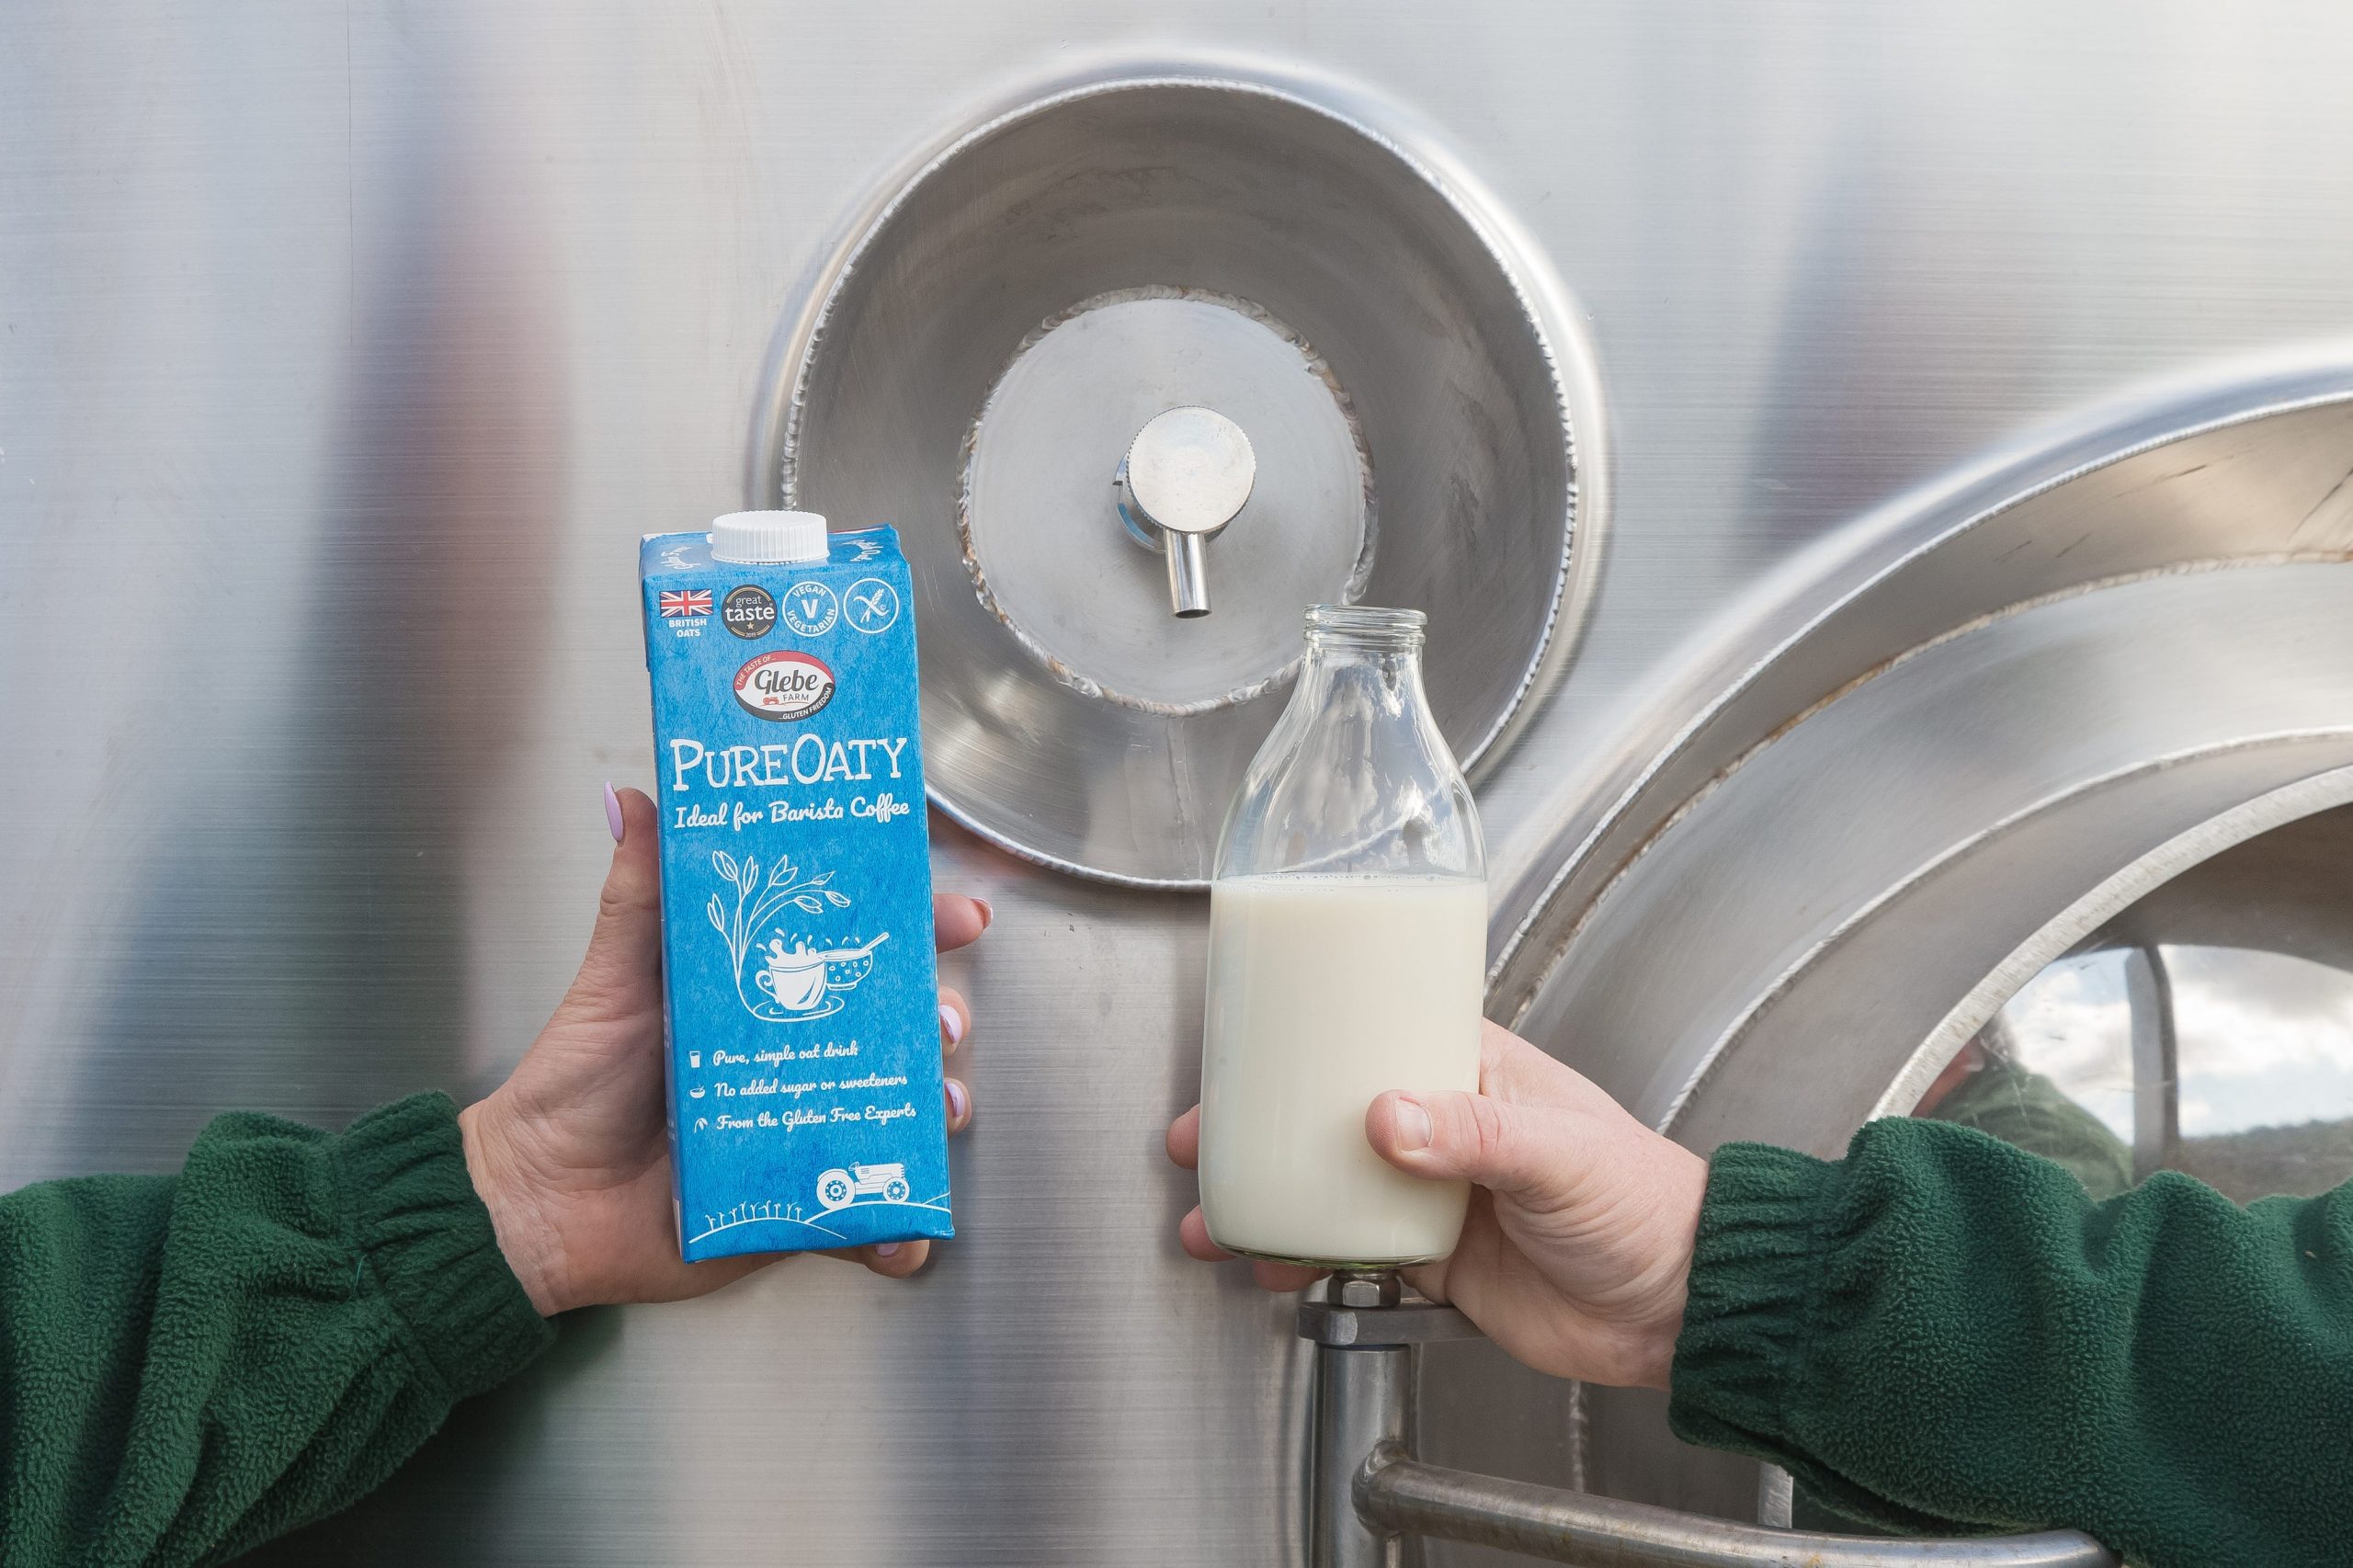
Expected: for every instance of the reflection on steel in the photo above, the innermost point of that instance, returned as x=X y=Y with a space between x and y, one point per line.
x=1369 y=1500
x=2166 y=891
x=2225 y=985
x=1598 y=1532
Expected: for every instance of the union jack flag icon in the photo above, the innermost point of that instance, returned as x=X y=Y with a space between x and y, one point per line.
x=685 y=601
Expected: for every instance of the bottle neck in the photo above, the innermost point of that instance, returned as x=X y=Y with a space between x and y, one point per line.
x=1362 y=627
x=1345 y=641
x=1356 y=777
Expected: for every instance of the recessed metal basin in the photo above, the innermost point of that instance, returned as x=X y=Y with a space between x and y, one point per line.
x=981 y=356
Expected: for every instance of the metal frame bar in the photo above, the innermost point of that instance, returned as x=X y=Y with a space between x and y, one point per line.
x=1371 y=1502
x=2156 y=1104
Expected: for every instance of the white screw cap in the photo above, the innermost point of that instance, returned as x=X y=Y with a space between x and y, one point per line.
x=752 y=537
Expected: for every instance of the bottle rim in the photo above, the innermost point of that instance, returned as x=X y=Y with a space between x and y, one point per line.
x=1365 y=625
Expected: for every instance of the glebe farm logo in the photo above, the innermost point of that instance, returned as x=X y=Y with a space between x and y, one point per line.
x=784 y=684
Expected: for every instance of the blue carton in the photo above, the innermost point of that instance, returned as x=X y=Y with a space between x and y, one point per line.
x=801 y=990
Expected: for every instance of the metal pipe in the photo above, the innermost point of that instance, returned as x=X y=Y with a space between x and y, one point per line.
x=1370 y=1501
x=1404 y=1494
x=1363 y=1407
x=1189 y=576
x=2156 y=1110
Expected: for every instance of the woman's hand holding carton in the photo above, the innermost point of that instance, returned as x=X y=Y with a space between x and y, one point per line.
x=571 y=1154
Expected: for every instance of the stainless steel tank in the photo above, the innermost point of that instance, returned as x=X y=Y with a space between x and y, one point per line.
x=1879 y=476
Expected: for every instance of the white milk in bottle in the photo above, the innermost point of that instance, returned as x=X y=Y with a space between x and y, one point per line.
x=1330 y=990
x=1348 y=943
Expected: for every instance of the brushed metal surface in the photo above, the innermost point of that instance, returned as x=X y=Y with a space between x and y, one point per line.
x=349 y=349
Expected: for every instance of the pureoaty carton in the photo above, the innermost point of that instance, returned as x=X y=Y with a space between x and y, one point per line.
x=805 y=1074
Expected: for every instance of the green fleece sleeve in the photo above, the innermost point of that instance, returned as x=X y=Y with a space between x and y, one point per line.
x=190 y=1365
x=1940 y=1332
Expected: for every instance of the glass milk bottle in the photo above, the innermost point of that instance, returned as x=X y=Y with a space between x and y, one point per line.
x=1348 y=954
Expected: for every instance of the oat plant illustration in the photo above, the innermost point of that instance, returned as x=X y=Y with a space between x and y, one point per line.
x=754 y=901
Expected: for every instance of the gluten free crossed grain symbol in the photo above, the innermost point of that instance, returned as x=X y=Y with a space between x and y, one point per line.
x=874 y=605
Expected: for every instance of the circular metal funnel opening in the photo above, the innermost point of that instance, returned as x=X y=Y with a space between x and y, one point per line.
x=989 y=347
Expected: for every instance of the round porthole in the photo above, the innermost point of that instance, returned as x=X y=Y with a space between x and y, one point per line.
x=984 y=354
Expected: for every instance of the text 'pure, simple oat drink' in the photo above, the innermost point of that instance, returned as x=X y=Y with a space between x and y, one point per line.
x=802 y=995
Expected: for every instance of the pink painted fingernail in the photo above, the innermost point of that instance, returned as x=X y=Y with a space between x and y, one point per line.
x=952 y=1025
x=960 y=1101
x=988 y=916
x=885 y=1249
x=613 y=812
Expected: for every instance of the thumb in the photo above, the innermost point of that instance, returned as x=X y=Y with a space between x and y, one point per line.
x=1445 y=1136
x=625 y=949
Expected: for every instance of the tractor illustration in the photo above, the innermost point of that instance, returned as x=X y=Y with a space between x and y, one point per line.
x=839 y=1189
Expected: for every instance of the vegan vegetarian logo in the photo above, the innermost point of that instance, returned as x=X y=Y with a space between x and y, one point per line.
x=809 y=608
x=690 y=603
x=749 y=612
x=784 y=684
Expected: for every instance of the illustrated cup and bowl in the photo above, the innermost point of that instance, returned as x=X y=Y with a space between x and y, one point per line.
x=800 y=979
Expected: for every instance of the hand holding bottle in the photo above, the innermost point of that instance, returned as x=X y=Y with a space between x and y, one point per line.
x=1574 y=1255
x=1347 y=933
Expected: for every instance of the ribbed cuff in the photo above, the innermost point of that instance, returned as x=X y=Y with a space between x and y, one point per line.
x=429 y=1244
x=1755 y=1270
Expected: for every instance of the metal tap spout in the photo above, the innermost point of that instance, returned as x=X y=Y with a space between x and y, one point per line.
x=1186 y=474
